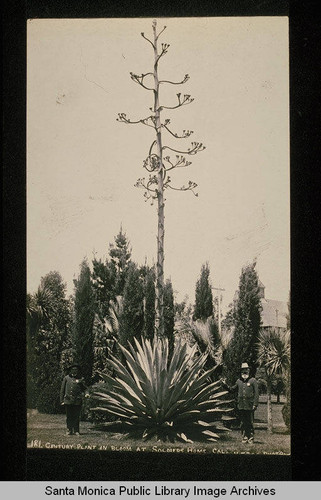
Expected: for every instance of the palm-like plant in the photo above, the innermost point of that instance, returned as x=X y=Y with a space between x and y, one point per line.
x=38 y=306
x=211 y=341
x=38 y=311
x=116 y=309
x=155 y=397
x=202 y=333
x=114 y=324
x=108 y=334
x=274 y=355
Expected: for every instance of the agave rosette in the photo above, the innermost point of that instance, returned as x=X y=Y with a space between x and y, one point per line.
x=167 y=398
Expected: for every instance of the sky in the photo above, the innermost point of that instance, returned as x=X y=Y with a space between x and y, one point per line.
x=82 y=164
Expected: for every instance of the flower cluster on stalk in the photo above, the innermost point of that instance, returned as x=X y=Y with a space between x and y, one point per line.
x=155 y=164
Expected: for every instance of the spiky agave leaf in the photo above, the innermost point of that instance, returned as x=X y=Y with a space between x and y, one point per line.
x=169 y=401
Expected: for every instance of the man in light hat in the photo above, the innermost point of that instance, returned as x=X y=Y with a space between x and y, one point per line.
x=247 y=401
x=71 y=392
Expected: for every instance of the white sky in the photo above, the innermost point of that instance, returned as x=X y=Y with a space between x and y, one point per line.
x=82 y=164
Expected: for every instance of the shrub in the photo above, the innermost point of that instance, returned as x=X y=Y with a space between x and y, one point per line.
x=90 y=415
x=154 y=398
x=48 y=398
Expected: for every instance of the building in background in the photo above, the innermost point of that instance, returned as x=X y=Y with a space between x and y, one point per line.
x=274 y=312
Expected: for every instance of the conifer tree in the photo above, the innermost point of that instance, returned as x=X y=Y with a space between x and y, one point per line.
x=120 y=253
x=133 y=309
x=108 y=278
x=104 y=284
x=84 y=314
x=203 y=295
x=48 y=327
x=247 y=323
x=159 y=163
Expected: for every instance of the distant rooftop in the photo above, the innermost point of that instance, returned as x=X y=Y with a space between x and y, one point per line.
x=274 y=313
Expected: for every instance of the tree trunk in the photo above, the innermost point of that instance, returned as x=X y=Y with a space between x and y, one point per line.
x=159 y=319
x=269 y=405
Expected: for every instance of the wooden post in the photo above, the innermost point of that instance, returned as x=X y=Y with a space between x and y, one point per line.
x=219 y=306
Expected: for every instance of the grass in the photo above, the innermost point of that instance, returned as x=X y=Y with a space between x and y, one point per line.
x=48 y=432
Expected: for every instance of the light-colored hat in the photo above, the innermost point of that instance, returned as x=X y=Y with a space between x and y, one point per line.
x=244 y=366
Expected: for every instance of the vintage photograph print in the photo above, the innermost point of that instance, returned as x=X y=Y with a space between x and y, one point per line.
x=158 y=235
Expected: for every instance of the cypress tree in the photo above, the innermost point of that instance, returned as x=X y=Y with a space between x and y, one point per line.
x=84 y=314
x=133 y=315
x=203 y=295
x=109 y=277
x=103 y=283
x=120 y=253
x=247 y=323
x=48 y=323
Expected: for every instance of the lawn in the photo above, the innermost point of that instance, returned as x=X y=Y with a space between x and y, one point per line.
x=48 y=432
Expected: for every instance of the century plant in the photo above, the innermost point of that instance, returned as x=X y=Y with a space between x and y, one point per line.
x=158 y=163
x=153 y=396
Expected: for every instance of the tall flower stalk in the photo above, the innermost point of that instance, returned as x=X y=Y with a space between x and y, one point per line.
x=158 y=163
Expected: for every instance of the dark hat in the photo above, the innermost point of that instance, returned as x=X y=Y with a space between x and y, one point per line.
x=74 y=365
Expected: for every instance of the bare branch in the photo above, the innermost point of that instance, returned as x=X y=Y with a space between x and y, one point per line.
x=165 y=47
x=186 y=133
x=197 y=146
x=140 y=79
x=150 y=193
x=186 y=99
x=152 y=119
x=122 y=117
x=143 y=35
x=191 y=186
x=159 y=34
x=151 y=148
x=181 y=162
x=186 y=77
x=149 y=196
x=151 y=163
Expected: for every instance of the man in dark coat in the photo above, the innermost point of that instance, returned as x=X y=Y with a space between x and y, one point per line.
x=71 y=392
x=247 y=401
